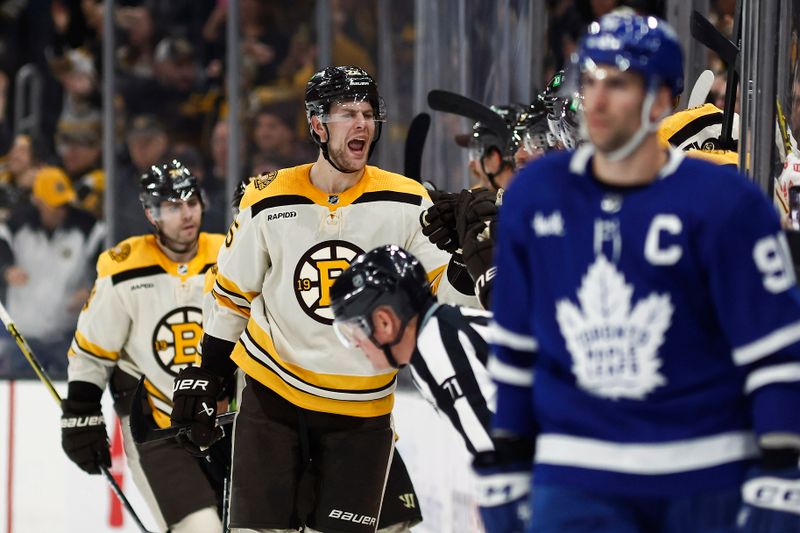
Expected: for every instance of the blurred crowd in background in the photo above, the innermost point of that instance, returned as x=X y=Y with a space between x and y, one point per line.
x=170 y=103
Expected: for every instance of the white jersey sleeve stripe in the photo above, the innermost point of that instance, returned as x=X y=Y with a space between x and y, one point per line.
x=472 y=426
x=646 y=459
x=508 y=374
x=227 y=303
x=232 y=296
x=772 y=374
x=509 y=339
x=767 y=345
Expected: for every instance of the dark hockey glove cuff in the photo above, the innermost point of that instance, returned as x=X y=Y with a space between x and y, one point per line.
x=439 y=223
x=458 y=277
x=478 y=254
x=83 y=435
x=194 y=401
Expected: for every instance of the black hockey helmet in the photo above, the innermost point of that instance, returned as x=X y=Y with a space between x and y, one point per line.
x=169 y=182
x=342 y=84
x=532 y=130
x=485 y=139
x=238 y=194
x=387 y=275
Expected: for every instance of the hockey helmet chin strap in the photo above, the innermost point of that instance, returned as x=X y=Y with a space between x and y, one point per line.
x=491 y=176
x=387 y=347
x=324 y=147
x=648 y=126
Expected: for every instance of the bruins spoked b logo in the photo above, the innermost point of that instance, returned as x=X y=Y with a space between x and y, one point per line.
x=315 y=273
x=176 y=338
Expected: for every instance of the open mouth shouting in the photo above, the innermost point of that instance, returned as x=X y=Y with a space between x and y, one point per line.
x=358 y=147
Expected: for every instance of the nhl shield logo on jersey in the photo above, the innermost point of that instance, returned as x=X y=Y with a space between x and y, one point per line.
x=614 y=347
x=176 y=338
x=315 y=273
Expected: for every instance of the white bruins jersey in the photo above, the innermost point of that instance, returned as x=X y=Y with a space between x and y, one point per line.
x=281 y=256
x=144 y=314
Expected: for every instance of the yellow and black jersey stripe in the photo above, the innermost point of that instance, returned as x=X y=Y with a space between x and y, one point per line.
x=141 y=256
x=362 y=396
x=292 y=186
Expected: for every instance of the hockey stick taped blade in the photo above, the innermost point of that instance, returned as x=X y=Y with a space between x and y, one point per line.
x=701 y=89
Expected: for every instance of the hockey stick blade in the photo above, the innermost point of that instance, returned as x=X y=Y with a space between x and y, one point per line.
x=458 y=104
x=701 y=89
x=707 y=34
x=143 y=427
x=415 y=144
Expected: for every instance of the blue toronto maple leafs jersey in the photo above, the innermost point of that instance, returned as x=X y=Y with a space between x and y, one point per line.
x=647 y=335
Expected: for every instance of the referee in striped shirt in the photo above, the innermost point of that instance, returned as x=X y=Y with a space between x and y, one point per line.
x=384 y=306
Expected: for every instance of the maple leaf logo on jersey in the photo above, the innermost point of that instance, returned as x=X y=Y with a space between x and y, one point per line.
x=614 y=348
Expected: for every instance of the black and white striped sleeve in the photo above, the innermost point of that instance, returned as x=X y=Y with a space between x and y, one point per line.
x=449 y=368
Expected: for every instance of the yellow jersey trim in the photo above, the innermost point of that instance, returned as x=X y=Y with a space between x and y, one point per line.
x=143 y=251
x=296 y=181
x=362 y=396
x=92 y=349
x=435 y=278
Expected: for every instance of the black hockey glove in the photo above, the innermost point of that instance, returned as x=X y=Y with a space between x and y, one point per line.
x=472 y=206
x=478 y=254
x=83 y=435
x=194 y=401
x=439 y=221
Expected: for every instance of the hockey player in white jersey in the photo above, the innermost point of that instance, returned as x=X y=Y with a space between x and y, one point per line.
x=143 y=318
x=647 y=338
x=383 y=305
x=312 y=411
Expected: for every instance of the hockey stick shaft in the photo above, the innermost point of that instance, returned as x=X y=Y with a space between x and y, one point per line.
x=415 y=144
x=43 y=377
x=143 y=428
x=173 y=431
x=28 y=353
